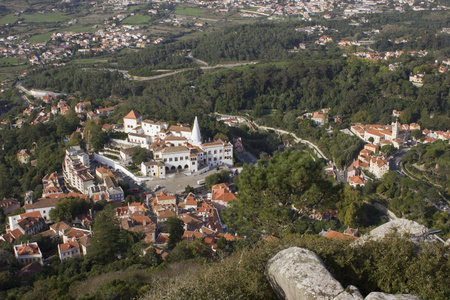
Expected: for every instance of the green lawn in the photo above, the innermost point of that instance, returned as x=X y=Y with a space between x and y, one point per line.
x=9 y=19
x=44 y=18
x=40 y=38
x=190 y=11
x=136 y=20
x=5 y=61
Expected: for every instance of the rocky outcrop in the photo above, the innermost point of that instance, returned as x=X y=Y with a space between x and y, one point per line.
x=384 y=296
x=297 y=273
x=413 y=230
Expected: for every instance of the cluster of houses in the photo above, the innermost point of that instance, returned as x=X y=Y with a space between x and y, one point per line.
x=395 y=134
x=77 y=174
x=174 y=147
x=200 y=217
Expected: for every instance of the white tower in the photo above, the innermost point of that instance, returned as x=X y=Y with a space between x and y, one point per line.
x=196 y=136
x=395 y=130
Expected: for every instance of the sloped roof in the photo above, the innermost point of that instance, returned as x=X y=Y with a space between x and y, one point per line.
x=132 y=115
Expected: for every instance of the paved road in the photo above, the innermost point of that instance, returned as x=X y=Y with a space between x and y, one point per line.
x=281 y=131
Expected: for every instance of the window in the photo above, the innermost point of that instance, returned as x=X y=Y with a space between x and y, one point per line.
x=215 y=151
x=186 y=157
x=176 y=158
x=170 y=159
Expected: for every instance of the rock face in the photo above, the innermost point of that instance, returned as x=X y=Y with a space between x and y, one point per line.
x=384 y=296
x=414 y=230
x=297 y=273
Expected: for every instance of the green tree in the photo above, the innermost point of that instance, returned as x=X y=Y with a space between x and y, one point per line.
x=221 y=177
x=388 y=150
x=68 y=208
x=139 y=155
x=107 y=244
x=350 y=207
x=416 y=134
x=175 y=228
x=268 y=193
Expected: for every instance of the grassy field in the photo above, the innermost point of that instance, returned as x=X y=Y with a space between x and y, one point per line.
x=10 y=61
x=11 y=72
x=45 y=18
x=136 y=20
x=186 y=10
x=40 y=38
x=9 y=19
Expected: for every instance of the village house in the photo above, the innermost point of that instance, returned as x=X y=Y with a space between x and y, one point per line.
x=221 y=195
x=319 y=118
x=51 y=186
x=69 y=250
x=28 y=223
x=28 y=253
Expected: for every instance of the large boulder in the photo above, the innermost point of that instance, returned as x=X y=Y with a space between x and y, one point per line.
x=413 y=230
x=384 y=296
x=297 y=273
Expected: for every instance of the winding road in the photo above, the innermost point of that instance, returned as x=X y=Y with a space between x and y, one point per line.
x=316 y=149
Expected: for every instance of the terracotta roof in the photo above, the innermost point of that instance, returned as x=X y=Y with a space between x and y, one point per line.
x=68 y=245
x=356 y=180
x=337 y=235
x=132 y=115
x=27 y=249
x=163 y=238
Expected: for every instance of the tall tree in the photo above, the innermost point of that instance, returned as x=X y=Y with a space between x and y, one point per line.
x=175 y=227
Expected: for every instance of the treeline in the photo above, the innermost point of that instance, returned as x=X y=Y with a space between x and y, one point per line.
x=354 y=89
x=250 y=42
x=87 y=83
x=164 y=56
x=45 y=142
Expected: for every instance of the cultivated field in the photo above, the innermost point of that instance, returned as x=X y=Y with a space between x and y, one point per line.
x=44 y=18
x=137 y=20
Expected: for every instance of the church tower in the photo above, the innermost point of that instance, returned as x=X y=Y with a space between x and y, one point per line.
x=395 y=130
x=196 y=137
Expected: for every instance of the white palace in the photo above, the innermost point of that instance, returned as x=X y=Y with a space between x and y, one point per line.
x=175 y=147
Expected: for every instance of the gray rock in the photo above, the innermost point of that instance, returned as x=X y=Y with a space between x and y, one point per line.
x=415 y=231
x=384 y=296
x=297 y=273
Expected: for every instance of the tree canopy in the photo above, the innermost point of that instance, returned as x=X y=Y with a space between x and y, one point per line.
x=272 y=194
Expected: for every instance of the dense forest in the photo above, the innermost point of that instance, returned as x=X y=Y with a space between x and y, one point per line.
x=352 y=88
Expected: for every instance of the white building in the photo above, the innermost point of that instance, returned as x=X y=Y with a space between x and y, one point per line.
x=131 y=121
x=28 y=253
x=43 y=206
x=153 y=169
x=378 y=166
x=76 y=169
x=68 y=250
x=218 y=153
x=152 y=128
